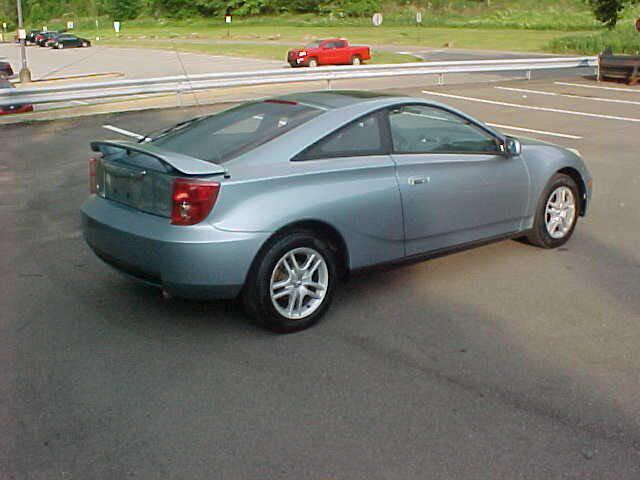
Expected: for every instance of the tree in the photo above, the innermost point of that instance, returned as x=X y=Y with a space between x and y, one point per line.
x=608 y=11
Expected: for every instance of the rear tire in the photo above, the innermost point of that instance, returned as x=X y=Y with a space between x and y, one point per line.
x=291 y=284
x=556 y=214
x=356 y=61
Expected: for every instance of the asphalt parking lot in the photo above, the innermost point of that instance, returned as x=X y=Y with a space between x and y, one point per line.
x=506 y=361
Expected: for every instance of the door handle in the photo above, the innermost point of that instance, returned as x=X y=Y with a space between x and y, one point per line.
x=419 y=180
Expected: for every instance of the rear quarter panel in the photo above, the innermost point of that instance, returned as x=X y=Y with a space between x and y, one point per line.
x=357 y=196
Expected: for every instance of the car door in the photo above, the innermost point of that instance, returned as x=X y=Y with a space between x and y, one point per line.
x=351 y=179
x=328 y=56
x=456 y=182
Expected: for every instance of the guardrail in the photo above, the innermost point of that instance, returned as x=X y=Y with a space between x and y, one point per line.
x=181 y=84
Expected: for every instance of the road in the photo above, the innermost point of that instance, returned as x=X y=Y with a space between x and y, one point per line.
x=506 y=361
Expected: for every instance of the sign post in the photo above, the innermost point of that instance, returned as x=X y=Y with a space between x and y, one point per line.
x=4 y=30
x=227 y=20
x=116 y=27
x=419 y=22
x=377 y=19
x=69 y=25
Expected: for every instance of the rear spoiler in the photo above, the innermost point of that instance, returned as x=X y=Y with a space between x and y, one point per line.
x=183 y=163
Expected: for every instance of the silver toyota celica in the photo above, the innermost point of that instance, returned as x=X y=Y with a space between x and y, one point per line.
x=275 y=200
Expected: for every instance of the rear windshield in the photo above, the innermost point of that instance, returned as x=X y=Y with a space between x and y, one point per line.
x=222 y=136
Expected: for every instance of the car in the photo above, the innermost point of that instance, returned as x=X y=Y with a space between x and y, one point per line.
x=31 y=36
x=5 y=69
x=276 y=200
x=42 y=38
x=335 y=51
x=67 y=40
x=5 y=110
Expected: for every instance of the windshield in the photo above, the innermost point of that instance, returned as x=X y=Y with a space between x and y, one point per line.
x=222 y=136
x=315 y=44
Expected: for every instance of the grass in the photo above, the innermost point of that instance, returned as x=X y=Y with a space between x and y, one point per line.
x=431 y=37
x=269 y=52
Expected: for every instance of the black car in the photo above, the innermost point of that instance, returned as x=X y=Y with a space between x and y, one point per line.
x=42 y=38
x=31 y=36
x=66 y=40
x=5 y=69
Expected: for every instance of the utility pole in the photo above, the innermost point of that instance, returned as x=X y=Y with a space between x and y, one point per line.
x=25 y=73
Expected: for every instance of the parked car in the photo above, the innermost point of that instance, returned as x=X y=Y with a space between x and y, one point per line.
x=31 y=36
x=275 y=200
x=67 y=40
x=4 y=110
x=335 y=51
x=42 y=38
x=5 y=69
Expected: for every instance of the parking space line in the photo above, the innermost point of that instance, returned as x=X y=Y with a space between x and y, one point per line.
x=616 y=89
x=554 y=94
x=531 y=107
x=122 y=131
x=530 y=130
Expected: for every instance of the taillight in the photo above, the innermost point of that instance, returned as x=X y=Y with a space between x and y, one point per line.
x=93 y=185
x=192 y=200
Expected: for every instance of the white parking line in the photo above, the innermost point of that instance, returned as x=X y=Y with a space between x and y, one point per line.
x=616 y=89
x=122 y=131
x=553 y=94
x=530 y=130
x=530 y=107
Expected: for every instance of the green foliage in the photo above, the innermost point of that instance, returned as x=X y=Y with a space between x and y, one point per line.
x=124 y=9
x=622 y=40
x=608 y=11
x=349 y=8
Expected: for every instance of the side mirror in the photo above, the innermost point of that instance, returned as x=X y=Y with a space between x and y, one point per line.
x=512 y=147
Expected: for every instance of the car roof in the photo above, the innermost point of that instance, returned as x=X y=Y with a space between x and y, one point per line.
x=333 y=99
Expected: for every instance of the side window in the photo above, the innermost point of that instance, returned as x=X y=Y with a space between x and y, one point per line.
x=341 y=44
x=424 y=129
x=361 y=137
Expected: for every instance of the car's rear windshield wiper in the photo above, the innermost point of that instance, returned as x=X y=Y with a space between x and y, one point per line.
x=173 y=128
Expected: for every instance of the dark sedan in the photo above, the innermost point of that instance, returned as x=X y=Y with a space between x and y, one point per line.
x=42 y=38
x=5 y=69
x=67 y=40
x=7 y=109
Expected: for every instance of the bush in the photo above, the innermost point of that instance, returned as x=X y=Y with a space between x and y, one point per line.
x=621 y=40
x=350 y=8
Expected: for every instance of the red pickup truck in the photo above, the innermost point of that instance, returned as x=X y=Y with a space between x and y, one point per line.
x=335 y=51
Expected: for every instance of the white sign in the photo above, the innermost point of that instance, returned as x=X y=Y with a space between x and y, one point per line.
x=419 y=17
x=45 y=29
x=69 y=25
x=4 y=25
x=22 y=34
x=377 y=19
x=116 y=26
x=227 y=18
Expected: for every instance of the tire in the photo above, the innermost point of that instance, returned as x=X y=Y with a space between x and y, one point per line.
x=560 y=199
x=271 y=268
x=313 y=63
x=356 y=61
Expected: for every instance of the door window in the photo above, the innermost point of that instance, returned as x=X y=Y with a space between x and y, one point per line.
x=361 y=137
x=425 y=129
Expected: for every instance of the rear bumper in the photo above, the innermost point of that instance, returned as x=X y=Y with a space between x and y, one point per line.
x=198 y=261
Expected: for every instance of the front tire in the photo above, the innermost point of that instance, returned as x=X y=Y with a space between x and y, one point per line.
x=313 y=63
x=556 y=214
x=291 y=286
